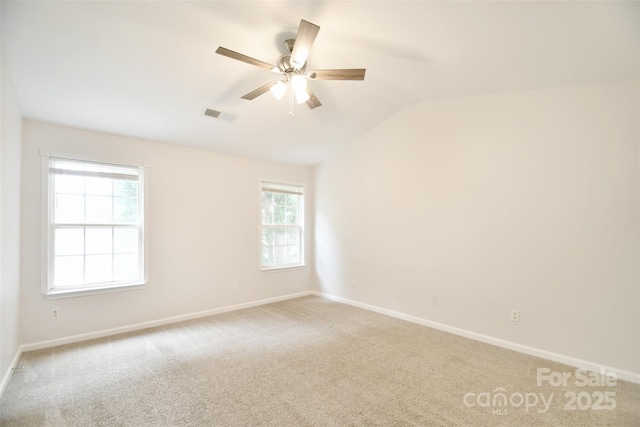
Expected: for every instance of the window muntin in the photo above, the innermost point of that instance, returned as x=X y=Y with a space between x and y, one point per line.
x=282 y=226
x=94 y=226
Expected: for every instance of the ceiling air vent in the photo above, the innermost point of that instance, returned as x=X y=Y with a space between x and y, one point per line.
x=218 y=115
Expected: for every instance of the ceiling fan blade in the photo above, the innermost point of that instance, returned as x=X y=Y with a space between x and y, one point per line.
x=307 y=33
x=342 y=74
x=244 y=58
x=313 y=101
x=261 y=90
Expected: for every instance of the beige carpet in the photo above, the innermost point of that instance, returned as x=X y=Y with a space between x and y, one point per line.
x=302 y=362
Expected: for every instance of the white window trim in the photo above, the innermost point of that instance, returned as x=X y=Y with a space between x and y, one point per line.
x=302 y=227
x=46 y=249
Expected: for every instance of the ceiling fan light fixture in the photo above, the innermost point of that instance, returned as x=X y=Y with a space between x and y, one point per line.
x=301 y=96
x=298 y=82
x=278 y=89
x=299 y=86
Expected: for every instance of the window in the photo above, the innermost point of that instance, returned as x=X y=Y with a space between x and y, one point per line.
x=282 y=231
x=94 y=237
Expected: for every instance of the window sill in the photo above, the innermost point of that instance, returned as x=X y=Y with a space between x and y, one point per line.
x=72 y=293
x=284 y=268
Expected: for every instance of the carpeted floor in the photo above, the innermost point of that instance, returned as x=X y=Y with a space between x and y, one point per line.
x=302 y=362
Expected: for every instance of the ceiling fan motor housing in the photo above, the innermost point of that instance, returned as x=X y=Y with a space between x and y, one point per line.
x=284 y=61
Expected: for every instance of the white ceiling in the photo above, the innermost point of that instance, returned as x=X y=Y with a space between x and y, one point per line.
x=148 y=69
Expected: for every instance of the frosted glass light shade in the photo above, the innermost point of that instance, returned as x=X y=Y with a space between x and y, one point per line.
x=299 y=86
x=278 y=90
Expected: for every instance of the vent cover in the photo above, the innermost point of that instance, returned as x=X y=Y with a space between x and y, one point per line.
x=218 y=115
x=212 y=113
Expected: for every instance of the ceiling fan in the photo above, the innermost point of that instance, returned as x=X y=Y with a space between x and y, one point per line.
x=293 y=67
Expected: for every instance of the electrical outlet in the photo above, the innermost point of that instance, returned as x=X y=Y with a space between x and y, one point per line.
x=235 y=286
x=515 y=315
x=434 y=300
x=353 y=283
x=55 y=313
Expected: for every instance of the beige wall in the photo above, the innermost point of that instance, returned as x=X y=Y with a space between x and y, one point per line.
x=10 y=123
x=523 y=200
x=203 y=234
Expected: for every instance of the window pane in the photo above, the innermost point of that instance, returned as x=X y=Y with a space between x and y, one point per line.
x=99 y=240
x=125 y=210
x=293 y=235
x=279 y=199
x=68 y=209
x=68 y=241
x=125 y=240
x=281 y=236
x=98 y=186
x=292 y=215
x=98 y=268
x=278 y=217
x=68 y=270
x=125 y=188
x=280 y=254
x=99 y=209
x=69 y=184
x=267 y=217
x=268 y=236
x=293 y=252
x=292 y=200
x=125 y=267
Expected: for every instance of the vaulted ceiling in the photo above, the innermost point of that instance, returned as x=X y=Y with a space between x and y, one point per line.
x=148 y=69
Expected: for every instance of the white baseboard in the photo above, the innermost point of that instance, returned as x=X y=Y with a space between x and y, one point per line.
x=7 y=375
x=160 y=322
x=532 y=351
x=571 y=361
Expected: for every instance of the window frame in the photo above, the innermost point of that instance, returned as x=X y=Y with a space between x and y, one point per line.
x=300 y=225
x=48 y=289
